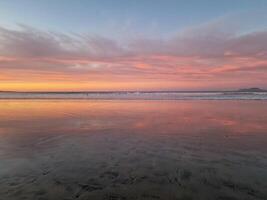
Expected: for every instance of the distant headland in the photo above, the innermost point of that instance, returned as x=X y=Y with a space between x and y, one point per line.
x=254 y=89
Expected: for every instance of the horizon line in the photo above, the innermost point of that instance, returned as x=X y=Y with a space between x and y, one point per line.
x=149 y=91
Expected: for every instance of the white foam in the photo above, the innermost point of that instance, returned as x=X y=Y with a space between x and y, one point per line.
x=140 y=95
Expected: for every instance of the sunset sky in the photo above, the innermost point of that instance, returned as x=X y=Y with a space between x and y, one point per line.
x=82 y=45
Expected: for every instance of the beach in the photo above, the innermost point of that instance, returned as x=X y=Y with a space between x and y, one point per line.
x=133 y=149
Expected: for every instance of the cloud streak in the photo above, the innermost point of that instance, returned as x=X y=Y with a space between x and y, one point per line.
x=207 y=56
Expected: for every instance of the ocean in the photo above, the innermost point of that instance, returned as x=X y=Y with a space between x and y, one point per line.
x=144 y=95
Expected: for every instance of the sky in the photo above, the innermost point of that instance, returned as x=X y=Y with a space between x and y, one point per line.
x=64 y=45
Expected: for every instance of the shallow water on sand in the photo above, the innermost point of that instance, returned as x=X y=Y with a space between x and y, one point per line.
x=136 y=149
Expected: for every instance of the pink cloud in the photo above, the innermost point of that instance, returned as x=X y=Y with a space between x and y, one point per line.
x=207 y=54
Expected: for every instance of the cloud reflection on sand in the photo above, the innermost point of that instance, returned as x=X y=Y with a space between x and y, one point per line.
x=55 y=149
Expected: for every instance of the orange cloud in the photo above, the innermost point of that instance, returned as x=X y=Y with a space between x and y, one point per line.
x=34 y=60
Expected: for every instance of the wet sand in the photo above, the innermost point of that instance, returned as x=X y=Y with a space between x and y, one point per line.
x=116 y=150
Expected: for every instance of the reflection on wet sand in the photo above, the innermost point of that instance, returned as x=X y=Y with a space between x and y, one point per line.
x=81 y=149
